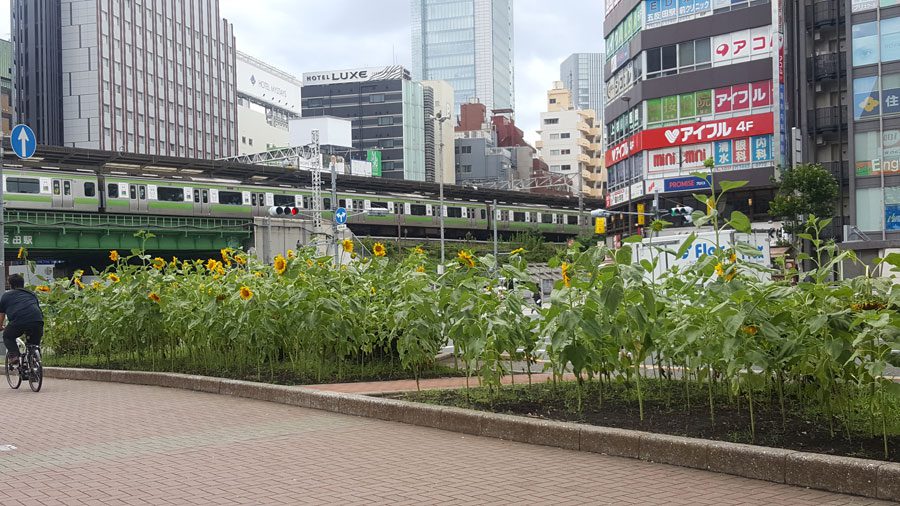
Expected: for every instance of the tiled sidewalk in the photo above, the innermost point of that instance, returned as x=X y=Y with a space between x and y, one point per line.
x=86 y=443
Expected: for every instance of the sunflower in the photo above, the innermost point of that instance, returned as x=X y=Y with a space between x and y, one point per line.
x=280 y=264
x=353 y=256
x=114 y=255
x=113 y=278
x=77 y=282
x=372 y=290
x=258 y=274
x=246 y=293
x=720 y=269
x=22 y=253
x=226 y=254
x=466 y=258
x=152 y=296
x=43 y=288
x=750 y=329
x=420 y=269
x=309 y=263
x=291 y=255
x=211 y=264
x=419 y=251
x=565 y=274
x=240 y=259
x=96 y=285
x=379 y=250
x=732 y=258
x=347 y=244
x=159 y=263
x=517 y=251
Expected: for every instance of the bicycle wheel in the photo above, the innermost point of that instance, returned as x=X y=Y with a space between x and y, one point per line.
x=35 y=371
x=12 y=375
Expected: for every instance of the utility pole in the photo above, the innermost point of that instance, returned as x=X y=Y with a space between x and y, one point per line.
x=580 y=196
x=441 y=180
x=494 y=210
x=334 y=231
x=2 y=220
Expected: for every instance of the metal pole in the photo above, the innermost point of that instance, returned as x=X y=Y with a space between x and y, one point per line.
x=494 y=210
x=2 y=220
x=441 y=185
x=334 y=236
x=580 y=196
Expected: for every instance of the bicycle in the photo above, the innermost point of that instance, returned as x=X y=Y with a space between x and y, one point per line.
x=29 y=367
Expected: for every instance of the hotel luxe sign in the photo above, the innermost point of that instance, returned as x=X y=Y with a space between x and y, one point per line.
x=354 y=75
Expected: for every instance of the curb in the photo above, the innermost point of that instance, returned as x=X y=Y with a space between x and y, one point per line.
x=844 y=475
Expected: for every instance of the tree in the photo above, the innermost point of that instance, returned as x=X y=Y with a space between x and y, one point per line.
x=806 y=190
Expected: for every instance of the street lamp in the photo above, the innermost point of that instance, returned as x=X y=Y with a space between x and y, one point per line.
x=440 y=118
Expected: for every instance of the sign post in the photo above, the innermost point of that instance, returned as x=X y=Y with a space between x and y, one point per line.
x=24 y=144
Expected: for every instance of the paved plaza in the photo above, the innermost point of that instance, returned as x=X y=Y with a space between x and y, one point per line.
x=80 y=443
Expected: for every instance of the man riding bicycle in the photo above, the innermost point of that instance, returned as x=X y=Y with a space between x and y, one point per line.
x=25 y=317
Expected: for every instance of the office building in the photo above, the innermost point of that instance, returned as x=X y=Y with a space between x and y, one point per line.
x=387 y=110
x=6 y=86
x=582 y=74
x=469 y=44
x=683 y=85
x=570 y=142
x=438 y=99
x=154 y=77
x=267 y=100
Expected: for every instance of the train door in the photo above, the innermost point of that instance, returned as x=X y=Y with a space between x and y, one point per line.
x=137 y=197
x=63 y=194
x=258 y=202
x=201 y=201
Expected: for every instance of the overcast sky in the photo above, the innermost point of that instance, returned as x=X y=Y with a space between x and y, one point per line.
x=307 y=35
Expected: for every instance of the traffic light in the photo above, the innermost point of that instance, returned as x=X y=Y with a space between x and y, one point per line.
x=684 y=211
x=283 y=211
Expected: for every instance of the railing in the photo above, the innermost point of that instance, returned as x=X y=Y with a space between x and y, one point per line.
x=826 y=119
x=840 y=170
x=826 y=66
x=825 y=13
x=124 y=221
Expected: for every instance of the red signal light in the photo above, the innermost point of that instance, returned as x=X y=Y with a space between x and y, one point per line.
x=294 y=211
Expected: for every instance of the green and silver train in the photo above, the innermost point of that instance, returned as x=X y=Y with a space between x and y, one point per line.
x=83 y=191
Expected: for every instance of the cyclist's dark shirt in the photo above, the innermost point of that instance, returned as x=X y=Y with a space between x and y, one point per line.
x=21 y=307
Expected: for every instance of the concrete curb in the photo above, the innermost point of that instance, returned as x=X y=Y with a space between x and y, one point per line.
x=845 y=475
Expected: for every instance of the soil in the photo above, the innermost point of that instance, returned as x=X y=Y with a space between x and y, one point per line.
x=802 y=430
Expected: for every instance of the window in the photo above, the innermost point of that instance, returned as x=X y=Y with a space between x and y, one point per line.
x=418 y=210
x=284 y=200
x=90 y=189
x=385 y=120
x=23 y=185
x=565 y=136
x=890 y=39
x=386 y=143
x=465 y=150
x=250 y=141
x=865 y=43
x=112 y=190
x=454 y=212
x=518 y=216
x=554 y=137
x=566 y=167
x=169 y=194
x=231 y=198
x=565 y=152
x=376 y=99
x=866 y=98
x=554 y=152
x=465 y=169
x=546 y=218
x=572 y=219
x=551 y=121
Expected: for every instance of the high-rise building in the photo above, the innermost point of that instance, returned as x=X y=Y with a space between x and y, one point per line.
x=386 y=107
x=570 y=141
x=268 y=98
x=582 y=74
x=440 y=119
x=469 y=44
x=6 y=86
x=843 y=77
x=684 y=85
x=153 y=77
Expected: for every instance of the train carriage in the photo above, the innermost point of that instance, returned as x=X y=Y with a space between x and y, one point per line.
x=50 y=190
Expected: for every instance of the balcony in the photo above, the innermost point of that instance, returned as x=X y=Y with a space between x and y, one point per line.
x=584 y=143
x=828 y=119
x=826 y=66
x=825 y=13
x=840 y=170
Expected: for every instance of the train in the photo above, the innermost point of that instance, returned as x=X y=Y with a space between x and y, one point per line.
x=198 y=196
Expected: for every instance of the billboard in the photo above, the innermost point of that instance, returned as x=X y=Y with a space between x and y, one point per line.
x=889 y=163
x=354 y=75
x=374 y=158
x=267 y=84
x=743 y=45
x=730 y=128
x=744 y=153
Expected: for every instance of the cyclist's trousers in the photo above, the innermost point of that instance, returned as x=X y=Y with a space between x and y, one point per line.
x=34 y=330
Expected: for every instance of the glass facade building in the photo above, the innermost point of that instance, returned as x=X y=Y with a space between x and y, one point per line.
x=582 y=74
x=467 y=43
x=874 y=79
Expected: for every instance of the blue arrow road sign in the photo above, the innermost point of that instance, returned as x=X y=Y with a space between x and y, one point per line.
x=340 y=216
x=23 y=141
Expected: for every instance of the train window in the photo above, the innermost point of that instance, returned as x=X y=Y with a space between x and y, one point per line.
x=504 y=215
x=90 y=189
x=454 y=212
x=196 y=196
x=67 y=188
x=342 y=203
x=143 y=191
x=307 y=202
x=132 y=192
x=231 y=198
x=483 y=214
x=326 y=203
x=253 y=200
x=398 y=207
x=205 y=196
x=518 y=216
x=284 y=200
x=112 y=190
x=169 y=194
x=23 y=185
x=470 y=213
x=56 y=186
x=572 y=219
x=417 y=210
x=378 y=205
x=546 y=218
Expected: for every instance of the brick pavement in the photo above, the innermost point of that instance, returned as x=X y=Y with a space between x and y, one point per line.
x=81 y=443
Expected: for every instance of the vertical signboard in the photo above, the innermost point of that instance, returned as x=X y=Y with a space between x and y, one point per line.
x=374 y=157
x=778 y=71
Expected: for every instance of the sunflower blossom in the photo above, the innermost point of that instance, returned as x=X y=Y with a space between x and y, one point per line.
x=43 y=288
x=159 y=263
x=114 y=255
x=246 y=293
x=565 y=275
x=280 y=264
x=517 y=251
x=21 y=252
x=347 y=244
x=154 y=297
x=379 y=250
x=114 y=278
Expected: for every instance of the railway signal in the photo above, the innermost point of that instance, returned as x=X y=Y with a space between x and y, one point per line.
x=283 y=211
x=683 y=211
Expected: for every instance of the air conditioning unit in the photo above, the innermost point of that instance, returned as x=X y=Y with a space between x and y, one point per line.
x=820 y=140
x=818 y=87
x=817 y=36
